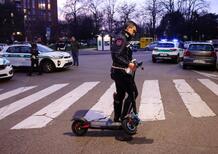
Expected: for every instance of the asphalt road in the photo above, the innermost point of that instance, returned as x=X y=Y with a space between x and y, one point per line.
x=178 y=109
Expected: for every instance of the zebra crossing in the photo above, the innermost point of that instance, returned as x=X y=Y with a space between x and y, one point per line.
x=151 y=104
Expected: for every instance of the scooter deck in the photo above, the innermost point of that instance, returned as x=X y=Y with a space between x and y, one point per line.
x=105 y=125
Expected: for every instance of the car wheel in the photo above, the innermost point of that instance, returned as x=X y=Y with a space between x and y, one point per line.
x=48 y=66
x=177 y=60
x=154 y=60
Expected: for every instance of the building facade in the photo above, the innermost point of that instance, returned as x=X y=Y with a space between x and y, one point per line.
x=40 y=18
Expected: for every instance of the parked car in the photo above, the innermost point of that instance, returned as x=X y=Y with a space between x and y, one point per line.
x=6 y=70
x=199 y=54
x=151 y=46
x=50 y=60
x=2 y=45
x=167 y=50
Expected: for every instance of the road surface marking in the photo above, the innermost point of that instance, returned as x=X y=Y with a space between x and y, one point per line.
x=15 y=92
x=210 y=85
x=44 y=116
x=151 y=106
x=22 y=103
x=193 y=102
x=104 y=106
x=209 y=75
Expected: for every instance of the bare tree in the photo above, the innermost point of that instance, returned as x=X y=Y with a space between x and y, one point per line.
x=153 y=10
x=94 y=7
x=169 y=5
x=189 y=7
x=109 y=9
x=126 y=11
x=72 y=8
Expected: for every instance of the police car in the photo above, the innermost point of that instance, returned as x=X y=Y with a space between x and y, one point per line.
x=6 y=70
x=50 y=60
x=167 y=50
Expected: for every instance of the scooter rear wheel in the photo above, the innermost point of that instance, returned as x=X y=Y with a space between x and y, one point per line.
x=129 y=126
x=77 y=127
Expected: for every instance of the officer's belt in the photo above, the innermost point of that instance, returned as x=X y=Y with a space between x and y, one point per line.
x=119 y=68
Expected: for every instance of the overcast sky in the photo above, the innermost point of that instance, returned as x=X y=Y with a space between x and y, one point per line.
x=213 y=5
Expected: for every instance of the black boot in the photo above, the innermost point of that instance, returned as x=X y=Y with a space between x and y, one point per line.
x=117 y=108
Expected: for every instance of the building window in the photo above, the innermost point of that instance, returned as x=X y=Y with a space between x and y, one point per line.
x=24 y=3
x=33 y=3
x=49 y=6
x=28 y=3
x=42 y=5
x=49 y=16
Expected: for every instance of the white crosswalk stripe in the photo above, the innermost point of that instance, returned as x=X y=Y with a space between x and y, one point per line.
x=15 y=92
x=104 y=107
x=22 y=103
x=210 y=85
x=151 y=106
x=193 y=102
x=43 y=117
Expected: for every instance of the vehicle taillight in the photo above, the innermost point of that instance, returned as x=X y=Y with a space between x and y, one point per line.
x=213 y=54
x=187 y=53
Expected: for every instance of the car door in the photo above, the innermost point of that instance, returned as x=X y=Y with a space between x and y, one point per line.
x=12 y=54
x=18 y=55
x=25 y=55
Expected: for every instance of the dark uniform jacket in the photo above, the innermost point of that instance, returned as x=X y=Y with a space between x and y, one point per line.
x=34 y=53
x=121 y=52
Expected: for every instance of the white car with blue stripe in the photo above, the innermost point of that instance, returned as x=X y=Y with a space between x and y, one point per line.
x=168 y=50
x=50 y=60
x=6 y=70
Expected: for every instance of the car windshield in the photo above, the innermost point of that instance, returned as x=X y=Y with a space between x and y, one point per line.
x=165 y=45
x=200 y=47
x=43 y=48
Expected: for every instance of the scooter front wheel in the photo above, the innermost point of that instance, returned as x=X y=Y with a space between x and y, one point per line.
x=78 y=127
x=129 y=126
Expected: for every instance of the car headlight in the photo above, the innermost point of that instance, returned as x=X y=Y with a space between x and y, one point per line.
x=6 y=62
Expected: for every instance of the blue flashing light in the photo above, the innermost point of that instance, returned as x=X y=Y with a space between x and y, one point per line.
x=175 y=40
x=163 y=40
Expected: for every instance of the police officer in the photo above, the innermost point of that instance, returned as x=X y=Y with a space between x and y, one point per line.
x=34 y=59
x=122 y=59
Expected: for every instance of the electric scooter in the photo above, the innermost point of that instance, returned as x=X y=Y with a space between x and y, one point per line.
x=129 y=124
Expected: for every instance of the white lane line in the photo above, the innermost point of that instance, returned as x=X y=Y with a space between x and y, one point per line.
x=22 y=103
x=15 y=92
x=210 y=85
x=151 y=105
x=104 y=106
x=44 y=116
x=193 y=102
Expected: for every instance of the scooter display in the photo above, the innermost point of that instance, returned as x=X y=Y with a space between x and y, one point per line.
x=129 y=123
